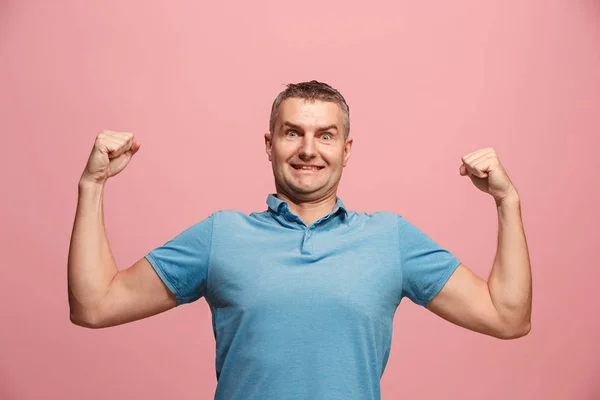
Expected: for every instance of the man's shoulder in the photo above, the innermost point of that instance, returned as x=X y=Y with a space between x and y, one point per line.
x=220 y=216
x=238 y=218
x=226 y=212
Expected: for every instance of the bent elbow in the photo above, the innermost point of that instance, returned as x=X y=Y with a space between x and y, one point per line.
x=515 y=331
x=85 y=320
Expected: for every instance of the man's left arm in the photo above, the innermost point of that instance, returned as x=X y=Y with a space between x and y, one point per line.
x=500 y=307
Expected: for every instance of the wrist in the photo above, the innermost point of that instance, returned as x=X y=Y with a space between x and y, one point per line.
x=512 y=199
x=87 y=184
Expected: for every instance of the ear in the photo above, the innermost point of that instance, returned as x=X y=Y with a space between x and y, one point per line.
x=268 y=144
x=347 y=150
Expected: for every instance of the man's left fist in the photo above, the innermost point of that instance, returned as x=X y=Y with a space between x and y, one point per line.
x=488 y=175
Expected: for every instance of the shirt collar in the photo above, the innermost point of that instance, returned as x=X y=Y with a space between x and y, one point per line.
x=278 y=206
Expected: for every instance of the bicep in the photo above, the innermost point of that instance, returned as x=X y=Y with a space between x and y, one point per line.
x=135 y=293
x=465 y=300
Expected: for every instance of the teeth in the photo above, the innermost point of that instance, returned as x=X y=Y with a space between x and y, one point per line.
x=307 y=168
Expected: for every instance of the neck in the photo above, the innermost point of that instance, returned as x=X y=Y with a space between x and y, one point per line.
x=310 y=211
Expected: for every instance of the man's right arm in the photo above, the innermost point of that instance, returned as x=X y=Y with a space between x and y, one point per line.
x=99 y=294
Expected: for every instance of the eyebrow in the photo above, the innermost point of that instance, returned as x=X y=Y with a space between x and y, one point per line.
x=323 y=128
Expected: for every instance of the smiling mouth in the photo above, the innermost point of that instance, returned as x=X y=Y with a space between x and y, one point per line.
x=307 y=167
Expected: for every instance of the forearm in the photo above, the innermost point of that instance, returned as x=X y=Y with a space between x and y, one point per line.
x=510 y=279
x=91 y=265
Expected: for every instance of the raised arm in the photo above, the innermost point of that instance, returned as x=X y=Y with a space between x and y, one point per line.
x=99 y=294
x=500 y=306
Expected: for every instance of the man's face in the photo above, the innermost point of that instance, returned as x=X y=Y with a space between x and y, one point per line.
x=308 y=149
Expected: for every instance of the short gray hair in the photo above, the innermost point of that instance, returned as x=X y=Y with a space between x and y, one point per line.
x=312 y=90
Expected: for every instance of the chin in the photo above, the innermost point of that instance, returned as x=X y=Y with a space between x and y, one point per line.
x=304 y=190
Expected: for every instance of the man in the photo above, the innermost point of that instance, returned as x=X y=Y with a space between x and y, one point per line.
x=303 y=294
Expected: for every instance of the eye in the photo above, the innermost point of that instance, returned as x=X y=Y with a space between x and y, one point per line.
x=326 y=136
x=291 y=133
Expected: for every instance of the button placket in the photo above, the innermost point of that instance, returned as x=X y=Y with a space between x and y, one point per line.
x=307 y=244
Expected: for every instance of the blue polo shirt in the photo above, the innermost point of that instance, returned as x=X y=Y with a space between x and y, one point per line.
x=302 y=312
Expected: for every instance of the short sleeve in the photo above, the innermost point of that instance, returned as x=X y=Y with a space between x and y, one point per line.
x=182 y=262
x=426 y=267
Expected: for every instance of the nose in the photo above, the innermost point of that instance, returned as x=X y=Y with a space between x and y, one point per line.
x=307 y=148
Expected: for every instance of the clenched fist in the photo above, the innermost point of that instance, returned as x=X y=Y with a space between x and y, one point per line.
x=488 y=175
x=110 y=155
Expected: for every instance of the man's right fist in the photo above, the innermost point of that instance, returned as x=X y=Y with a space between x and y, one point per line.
x=110 y=155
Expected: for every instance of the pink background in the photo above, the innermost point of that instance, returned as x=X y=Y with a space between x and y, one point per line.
x=426 y=82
